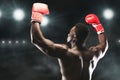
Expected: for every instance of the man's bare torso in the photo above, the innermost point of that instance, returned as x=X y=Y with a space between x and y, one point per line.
x=75 y=66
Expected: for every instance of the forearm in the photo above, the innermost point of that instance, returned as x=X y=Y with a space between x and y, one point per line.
x=102 y=41
x=94 y=20
x=38 y=10
x=36 y=32
x=37 y=37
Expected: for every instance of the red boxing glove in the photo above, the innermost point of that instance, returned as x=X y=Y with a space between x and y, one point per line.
x=93 y=19
x=38 y=10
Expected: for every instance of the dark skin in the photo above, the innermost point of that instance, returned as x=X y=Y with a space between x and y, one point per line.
x=75 y=63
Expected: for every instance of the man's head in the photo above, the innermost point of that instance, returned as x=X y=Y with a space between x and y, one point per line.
x=78 y=34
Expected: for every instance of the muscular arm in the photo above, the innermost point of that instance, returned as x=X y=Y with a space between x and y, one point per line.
x=46 y=45
x=100 y=49
x=103 y=43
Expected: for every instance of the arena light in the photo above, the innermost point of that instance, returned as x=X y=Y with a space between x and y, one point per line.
x=108 y=14
x=18 y=14
x=9 y=42
x=16 y=41
x=23 y=41
x=118 y=41
x=45 y=21
x=3 y=42
x=13 y=42
x=0 y=13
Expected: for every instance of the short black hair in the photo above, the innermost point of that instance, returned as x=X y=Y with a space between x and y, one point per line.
x=82 y=32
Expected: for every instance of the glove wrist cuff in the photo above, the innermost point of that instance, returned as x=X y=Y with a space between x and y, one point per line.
x=98 y=27
x=36 y=17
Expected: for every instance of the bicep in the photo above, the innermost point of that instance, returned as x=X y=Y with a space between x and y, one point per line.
x=99 y=50
x=49 y=47
x=102 y=47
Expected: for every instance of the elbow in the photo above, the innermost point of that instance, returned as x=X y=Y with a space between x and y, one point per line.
x=33 y=40
x=107 y=45
x=36 y=41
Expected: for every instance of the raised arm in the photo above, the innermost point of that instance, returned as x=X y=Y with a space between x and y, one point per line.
x=101 y=48
x=37 y=38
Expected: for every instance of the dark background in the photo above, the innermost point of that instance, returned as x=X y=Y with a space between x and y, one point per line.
x=26 y=62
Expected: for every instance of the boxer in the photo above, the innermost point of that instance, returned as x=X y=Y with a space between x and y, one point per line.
x=76 y=62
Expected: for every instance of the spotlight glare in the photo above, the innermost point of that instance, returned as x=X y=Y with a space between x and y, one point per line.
x=108 y=14
x=16 y=41
x=45 y=21
x=0 y=13
x=23 y=41
x=3 y=42
x=9 y=42
x=18 y=14
x=118 y=41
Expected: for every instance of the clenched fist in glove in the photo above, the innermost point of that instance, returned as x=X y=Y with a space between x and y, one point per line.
x=93 y=19
x=38 y=10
